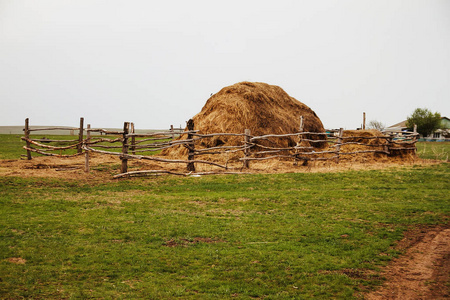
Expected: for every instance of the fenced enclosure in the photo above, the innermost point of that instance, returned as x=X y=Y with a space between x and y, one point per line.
x=191 y=148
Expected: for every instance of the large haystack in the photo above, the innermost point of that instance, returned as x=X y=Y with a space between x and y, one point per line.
x=259 y=107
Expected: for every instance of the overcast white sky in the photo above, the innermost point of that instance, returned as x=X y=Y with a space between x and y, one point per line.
x=155 y=63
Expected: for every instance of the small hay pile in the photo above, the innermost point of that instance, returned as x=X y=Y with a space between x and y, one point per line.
x=366 y=141
x=366 y=137
x=259 y=107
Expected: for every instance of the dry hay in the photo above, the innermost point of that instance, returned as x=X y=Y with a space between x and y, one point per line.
x=261 y=108
x=367 y=140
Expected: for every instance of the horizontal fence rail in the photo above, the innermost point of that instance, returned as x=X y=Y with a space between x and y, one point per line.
x=129 y=145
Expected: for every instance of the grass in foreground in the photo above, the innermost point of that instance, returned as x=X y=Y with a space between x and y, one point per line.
x=276 y=236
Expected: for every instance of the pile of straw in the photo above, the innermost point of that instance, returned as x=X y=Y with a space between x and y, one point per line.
x=359 y=136
x=259 y=107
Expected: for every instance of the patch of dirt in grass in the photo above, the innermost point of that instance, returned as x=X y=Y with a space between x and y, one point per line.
x=423 y=272
x=16 y=260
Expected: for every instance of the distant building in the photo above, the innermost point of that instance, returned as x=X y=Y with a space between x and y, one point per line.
x=442 y=133
x=399 y=127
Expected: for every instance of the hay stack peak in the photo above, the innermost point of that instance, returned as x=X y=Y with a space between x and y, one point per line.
x=260 y=107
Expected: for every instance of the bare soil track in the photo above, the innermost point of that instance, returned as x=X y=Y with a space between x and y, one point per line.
x=423 y=271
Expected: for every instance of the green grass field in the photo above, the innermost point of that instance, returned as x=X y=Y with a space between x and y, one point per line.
x=434 y=150
x=279 y=236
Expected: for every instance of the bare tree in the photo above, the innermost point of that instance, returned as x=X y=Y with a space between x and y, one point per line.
x=376 y=125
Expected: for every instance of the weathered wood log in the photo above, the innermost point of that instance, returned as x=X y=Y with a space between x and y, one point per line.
x=157 y=172
x=320 y=158
x=154 y=149
x=318 y=152
x=153 y=139
x=133 y=139
x=144 y=157
x=219 y=173
x=315 y=141
x=175 y=160
x=220 y=147
x=54 y=128
x=339 y=143
x=103 y=140
x=168 y=143
x=288 y=134
x=217 y=134
x=80 y=136
x=247 y=148
x=107 y=147
x=299 y=142
x=357 y=143
x=364 y=121
x=364 y=137
x=49 y=146
x=106 y=132
x=403 y=142
x=191 y=153
x=160 y=133
x=296 y=153
x=293 y=156
x=101 y=151
x=27 y=136
x=45 y=140
x=219 y=151
x=146 y=172
x=49 y=154
x=86 y=158
x=255 y=145
x=205 y=151
x=124 y=166
x=364 y=151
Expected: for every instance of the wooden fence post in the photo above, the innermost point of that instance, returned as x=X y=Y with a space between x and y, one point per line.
x=364 y=121
x=339 y=142
x=191 y=146
x=247 y=148
x=300 y=137
x=27 y=136
x=124 y=167
x=390 y=143
x=133 y=139
x=86 y=153
x=80 y=136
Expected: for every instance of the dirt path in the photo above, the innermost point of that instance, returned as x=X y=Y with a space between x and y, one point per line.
x=423 y=272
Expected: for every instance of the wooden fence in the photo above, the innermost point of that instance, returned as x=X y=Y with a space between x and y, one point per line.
x=129 y=145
